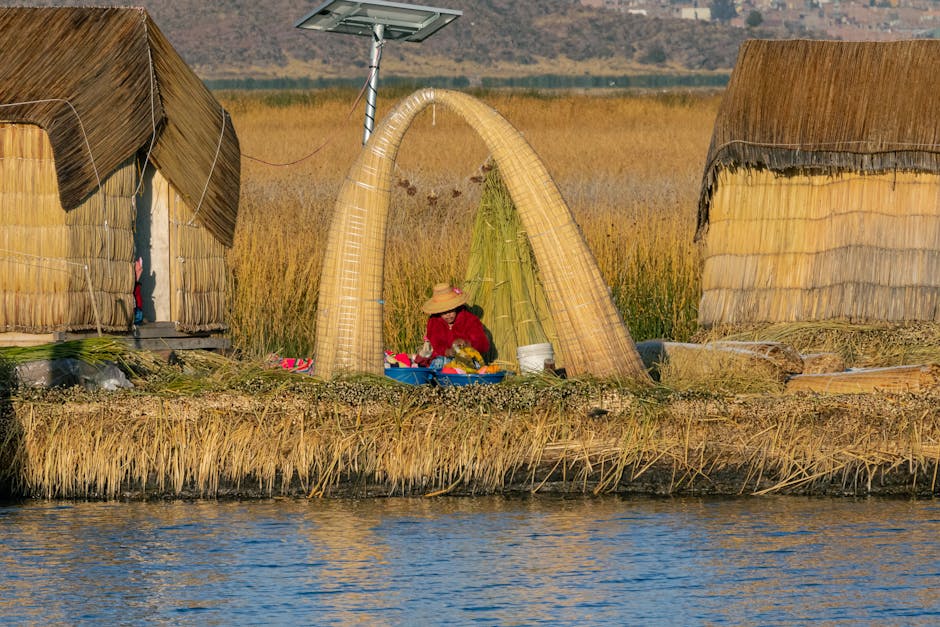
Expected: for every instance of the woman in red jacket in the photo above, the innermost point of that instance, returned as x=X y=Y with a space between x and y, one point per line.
x=450 y=320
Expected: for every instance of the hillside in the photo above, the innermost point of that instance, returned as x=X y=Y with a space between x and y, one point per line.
x=246 y=38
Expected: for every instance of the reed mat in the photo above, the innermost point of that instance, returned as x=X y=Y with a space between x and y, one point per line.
x=267 y=433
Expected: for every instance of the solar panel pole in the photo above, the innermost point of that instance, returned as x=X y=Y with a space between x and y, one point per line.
x=375 y=58
x=378 y=19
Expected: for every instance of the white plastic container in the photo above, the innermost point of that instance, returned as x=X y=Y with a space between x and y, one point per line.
x=532 y=357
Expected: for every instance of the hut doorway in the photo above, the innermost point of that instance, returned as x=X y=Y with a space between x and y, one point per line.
x=152 y=244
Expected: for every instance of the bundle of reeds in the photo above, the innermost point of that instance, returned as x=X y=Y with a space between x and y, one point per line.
x=821 y=363
x=92 y=350
x=712 y=367
x=502 y=279
x=865 y=380
x=592 y=338
x=784 y=355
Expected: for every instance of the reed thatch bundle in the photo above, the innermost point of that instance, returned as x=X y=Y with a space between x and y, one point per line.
x=502 y=279
x=105 y=84
x=61 y=270
x=821 y=191
x=713 y=367
x=822 y=363
x=591 y=335
x=890 y=379
x=784 y=355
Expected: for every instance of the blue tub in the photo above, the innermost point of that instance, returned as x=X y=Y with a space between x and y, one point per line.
x=469 y=379
x=411 y=376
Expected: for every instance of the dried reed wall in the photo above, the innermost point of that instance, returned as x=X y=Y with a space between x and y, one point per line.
x=44 y=250
x=197 y=266
x=794 y=247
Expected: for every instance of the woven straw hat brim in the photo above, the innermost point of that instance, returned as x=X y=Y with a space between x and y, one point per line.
x=453 y=301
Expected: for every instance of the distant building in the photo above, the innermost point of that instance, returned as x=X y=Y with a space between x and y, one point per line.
x=695 y=13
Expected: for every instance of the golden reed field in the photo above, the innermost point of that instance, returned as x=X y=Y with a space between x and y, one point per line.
x=629 y=167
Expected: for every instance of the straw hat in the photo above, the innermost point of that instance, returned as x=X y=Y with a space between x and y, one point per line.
x=444 y=298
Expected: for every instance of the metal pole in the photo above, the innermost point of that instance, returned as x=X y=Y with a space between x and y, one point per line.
x=375 y=58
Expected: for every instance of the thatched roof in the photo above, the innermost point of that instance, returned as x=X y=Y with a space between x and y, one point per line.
x=102 y=82
x=823 y=106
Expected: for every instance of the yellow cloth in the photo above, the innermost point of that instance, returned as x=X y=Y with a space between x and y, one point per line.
x=467 y=359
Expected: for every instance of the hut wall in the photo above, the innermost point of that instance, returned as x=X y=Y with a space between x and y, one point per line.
x=196 y=265
x=784 y=248
x=44 y=250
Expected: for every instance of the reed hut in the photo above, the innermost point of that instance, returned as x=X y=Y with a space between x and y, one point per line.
x=110 y=148
x=821 y=192
x=591 y=335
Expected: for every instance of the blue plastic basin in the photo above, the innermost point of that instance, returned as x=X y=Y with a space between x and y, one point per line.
x=411 y=376
x=469 y=379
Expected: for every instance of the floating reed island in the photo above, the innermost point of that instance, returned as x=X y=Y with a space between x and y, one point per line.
x=210 y=427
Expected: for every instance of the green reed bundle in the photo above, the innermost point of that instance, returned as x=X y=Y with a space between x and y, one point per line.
x=502 y=278
x=92 y=350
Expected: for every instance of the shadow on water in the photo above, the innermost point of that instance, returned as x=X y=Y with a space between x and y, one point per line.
x=10 y=432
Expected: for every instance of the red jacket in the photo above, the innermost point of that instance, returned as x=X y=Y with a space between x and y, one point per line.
x=466 y=327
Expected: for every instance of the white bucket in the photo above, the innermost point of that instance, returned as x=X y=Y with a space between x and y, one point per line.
x=532 y=358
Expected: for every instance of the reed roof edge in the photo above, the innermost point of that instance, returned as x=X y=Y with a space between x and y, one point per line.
x=105 y=84
x=827 y=106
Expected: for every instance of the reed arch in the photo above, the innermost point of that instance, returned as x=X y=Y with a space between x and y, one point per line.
x=592 y=338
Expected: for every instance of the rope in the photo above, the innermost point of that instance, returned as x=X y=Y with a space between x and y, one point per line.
x=329 y=138
x=477 y=177
x=153 y=114
x=215 y=160
x=81 y=127
x=16 y=253
x=83 y=266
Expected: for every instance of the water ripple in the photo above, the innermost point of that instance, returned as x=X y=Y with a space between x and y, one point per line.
x=768 y=561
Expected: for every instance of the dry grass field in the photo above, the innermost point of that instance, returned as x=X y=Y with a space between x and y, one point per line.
x=629 y=166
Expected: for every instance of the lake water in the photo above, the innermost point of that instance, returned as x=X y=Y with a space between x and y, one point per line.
x=490 y=561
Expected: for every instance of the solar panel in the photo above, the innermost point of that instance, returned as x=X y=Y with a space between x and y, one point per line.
x=406 y=22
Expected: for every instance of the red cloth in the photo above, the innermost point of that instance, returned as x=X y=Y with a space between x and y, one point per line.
x=466 y=327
